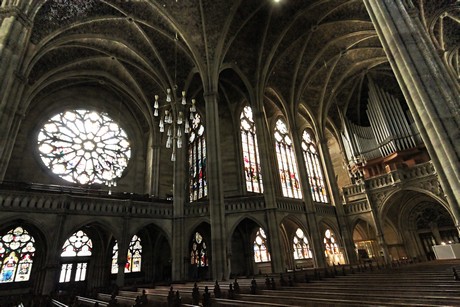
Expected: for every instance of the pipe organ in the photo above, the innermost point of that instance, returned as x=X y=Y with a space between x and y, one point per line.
x=390 y=130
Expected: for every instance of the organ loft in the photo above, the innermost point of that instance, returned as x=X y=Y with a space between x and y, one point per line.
x=152 y=142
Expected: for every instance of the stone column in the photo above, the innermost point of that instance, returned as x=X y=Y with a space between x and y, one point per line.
x=52 y=266
x=215 y=188
x=14 y=35
x=267 y=162
x=179 y=240
x=432 y=94
x=346 y=232
x=377 y=224
x=310 y=208
x=123 y=244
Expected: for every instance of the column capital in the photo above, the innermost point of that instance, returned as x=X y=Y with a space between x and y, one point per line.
x=13 y=11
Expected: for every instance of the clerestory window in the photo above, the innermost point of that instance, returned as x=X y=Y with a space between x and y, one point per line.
x=251 y=159
x=287 y=164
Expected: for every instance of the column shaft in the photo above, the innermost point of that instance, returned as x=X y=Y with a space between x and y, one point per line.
x=430 y=91
x=215 y=189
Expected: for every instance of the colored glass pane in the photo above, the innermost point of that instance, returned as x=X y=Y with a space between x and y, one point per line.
x=17 y=250
x=197 y=160
x=84 y=147
x=314 y=169
x=261 y=253
x=287 y=164
x=198 y=254
x=250 y=150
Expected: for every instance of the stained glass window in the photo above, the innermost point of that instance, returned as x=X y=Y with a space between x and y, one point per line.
x=332 y=251
x=314 y=170
x=261 y=253
x=287 y=164
x=17 y=250
x=301 y=246
x=75 y=252
x=84 y=147
x=197 y=160
x=133 y=258
x=251 y=159
x=198 y=255
x=114 y=269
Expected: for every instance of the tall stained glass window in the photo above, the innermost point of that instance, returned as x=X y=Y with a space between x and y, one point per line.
x=286 y=161
x=133 y=258
x=197 y=160
x=301 y=246
x=75 y=256
x=261 y=253
x=17 y=250
x=198 y=255
x=84 y=147
x=250 y=152
x=314 y=170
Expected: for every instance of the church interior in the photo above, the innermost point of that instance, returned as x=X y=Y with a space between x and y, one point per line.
x=161 y=141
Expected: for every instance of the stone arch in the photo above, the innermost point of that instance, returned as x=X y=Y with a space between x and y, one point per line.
x=399 y=215
x=333 y=247
x=156 y=256
x=365 y=239
x=288 y=227
x=199 y=252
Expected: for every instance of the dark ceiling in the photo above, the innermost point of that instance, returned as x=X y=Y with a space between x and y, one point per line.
x=316 y=55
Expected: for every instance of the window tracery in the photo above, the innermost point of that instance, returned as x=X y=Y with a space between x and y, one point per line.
x=83 y=146
x=133 y=258
x=75 y=253
x=301 y=246
x=198 y=254
x=198 y=187
x=287 y=164
x=17 y=250
x=251 y=159
x=261 y=253
x=314 y=169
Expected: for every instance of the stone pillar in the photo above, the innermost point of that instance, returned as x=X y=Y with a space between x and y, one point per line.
x=215 y=189
x=123 y=244
x=52 y=266
x=432 y=94
x=310 y=208
x=267 y=162
x=378 y=225
x=179 y=239
x=346 y=232
x=14 y=35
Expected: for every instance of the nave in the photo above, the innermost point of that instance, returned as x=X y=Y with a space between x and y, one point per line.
x=403 y=284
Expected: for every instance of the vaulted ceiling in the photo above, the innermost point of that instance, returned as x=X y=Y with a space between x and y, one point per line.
x=309 y=57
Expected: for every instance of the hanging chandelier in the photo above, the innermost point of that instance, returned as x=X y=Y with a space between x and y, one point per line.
x=177 y=114
x=175 y=119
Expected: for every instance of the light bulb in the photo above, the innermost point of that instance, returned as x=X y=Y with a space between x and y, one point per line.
x=155 y=105
x=186 y=126
x=173 y=156
x=179 y=143
x=168 y=95
x=193 y=108
x=184 y=102
x=179 y=132
x=155 y=113
x=168 y=142
x=169 y=131
x=180 y=118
